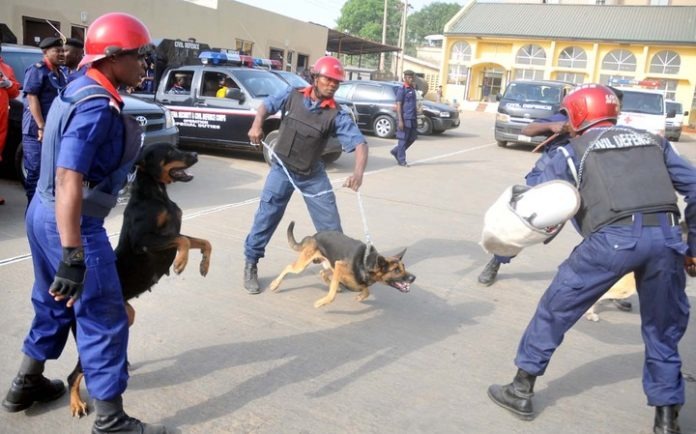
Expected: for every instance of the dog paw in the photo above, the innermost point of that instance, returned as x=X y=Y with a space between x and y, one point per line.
x=319 y=303
x=180 y=265
x=78 y=408
x=592 y=317
x=274 y=286
x=205 y=266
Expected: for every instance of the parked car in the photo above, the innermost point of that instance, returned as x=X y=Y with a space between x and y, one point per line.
x=523 y=102
x=438 y=117
x=675 y=120
x=156 y=120
x=374 y=105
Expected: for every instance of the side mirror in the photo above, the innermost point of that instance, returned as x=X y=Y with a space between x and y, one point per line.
x=235 y=94
x=498 y=97
x=671 y=113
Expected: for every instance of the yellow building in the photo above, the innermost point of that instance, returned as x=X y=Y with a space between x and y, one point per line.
x=488 y=44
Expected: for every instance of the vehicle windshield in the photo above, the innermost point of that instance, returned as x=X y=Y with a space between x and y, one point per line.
x=533 y=92
x=641 y=102
x=676 y=107
x=260 y=83
x=19 y=60
x=293 y=80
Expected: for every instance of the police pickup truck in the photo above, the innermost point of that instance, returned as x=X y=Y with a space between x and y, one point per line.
x=214 y=104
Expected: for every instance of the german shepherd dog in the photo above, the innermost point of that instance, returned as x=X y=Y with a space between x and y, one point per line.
x=150 y=241
x=345 y=264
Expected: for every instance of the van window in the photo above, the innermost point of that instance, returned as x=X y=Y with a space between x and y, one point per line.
x=674 y=106
x=533 y=92
x=640 y=102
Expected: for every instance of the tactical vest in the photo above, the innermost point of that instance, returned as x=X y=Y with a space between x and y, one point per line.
x=621 y=171
x=303 y=134
x=99 y=199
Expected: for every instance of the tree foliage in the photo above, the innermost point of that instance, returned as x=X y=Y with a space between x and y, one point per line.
x=364 y=18
x=430 y=20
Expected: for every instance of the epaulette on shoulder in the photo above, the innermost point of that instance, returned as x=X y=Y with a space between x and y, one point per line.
x=38 y=65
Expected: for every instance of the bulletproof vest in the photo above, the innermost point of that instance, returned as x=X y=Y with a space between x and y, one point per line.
x=303 y=134
x=621 y=171
x=99 y=199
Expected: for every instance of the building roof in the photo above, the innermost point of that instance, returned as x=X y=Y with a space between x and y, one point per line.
x=640 y=24
x=339 y=42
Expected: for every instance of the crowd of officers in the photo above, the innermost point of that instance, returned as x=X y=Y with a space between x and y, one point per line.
x=628 y=218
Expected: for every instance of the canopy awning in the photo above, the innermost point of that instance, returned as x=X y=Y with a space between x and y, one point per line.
x=343 y=43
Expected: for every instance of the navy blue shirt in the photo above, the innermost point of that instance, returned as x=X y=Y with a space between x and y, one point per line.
x=39 y=80
x=406 y=95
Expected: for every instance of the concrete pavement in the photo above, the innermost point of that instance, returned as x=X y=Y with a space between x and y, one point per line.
x=208 y=358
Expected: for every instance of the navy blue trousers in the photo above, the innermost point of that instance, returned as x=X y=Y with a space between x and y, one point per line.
x=274 y=199
x=32 y=164
x=100 y=314
x=656 y=255
x=405 y=138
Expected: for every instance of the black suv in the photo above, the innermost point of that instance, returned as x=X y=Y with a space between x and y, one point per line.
x=374 y=105
x=156 y=120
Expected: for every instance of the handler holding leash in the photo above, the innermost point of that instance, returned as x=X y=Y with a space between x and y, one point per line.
x=630 y=227
x=88 y=150
x=309 y=117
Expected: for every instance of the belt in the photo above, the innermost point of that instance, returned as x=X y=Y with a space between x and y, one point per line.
x=652 y=219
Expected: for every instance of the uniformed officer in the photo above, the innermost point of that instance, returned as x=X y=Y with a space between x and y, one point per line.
x=406 y=118
x=310 y=116
x=628 y=218
x=42 y=82
x=73 y=50
x=89 y=149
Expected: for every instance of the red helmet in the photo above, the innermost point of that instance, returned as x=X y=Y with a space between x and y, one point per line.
x=329 y=66
x=590 y=104
x=114 y=32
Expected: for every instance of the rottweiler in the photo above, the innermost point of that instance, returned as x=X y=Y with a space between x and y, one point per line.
x=345 y=264
x=151 y=240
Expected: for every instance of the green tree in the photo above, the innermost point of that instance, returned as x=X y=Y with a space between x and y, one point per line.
x=364 y=18
x=430 y=20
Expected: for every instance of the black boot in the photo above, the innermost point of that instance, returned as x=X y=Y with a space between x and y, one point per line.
x=666 y=420
x=516 y=396
x=489 y=273
x=112 y=419
x=622 y=305
x=251 y=279
x=31 y=386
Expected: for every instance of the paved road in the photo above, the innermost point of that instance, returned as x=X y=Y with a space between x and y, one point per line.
x=208 y=358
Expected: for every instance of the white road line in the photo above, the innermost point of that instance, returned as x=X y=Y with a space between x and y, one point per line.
x=337 y=181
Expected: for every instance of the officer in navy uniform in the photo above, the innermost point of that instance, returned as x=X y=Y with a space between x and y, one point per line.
x=406 y=118
x=89 y=149
x=73 y=50
x=310 y=116
x=42 y=82
x=630 y=227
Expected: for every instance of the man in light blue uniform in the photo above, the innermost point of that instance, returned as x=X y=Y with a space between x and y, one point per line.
x=88 y=152
x=629 y=221
x=310 y=116
x=42 y=82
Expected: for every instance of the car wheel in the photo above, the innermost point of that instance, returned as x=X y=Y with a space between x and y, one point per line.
x=427 y=127
x=437 y=132
x=501 y=143
x=330 y=158
x=271 y=140
x=384 y=127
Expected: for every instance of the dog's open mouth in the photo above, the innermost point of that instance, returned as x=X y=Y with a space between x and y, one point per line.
x=401 y=286
x=179 y=174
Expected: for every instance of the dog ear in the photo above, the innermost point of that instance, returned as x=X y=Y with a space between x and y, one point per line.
x=400 y=255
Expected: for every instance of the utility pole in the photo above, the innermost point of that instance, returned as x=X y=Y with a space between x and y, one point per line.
x=384 y=36
x=402 y=40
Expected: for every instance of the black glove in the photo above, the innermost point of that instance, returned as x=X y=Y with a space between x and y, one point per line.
x=70 y=277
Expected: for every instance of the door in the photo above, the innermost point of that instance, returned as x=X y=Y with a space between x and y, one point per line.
x=366 y=100
x=227 y=120
x=491 y=84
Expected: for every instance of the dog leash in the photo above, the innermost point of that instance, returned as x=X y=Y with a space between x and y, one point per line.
x=368 y=240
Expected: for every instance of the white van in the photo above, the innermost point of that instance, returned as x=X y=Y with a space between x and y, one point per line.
x=643 y=108
x=675 y=120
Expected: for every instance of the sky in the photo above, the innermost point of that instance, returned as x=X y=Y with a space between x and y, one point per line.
x=324 y=12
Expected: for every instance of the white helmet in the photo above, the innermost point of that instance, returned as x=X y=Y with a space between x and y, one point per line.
x=524 y=216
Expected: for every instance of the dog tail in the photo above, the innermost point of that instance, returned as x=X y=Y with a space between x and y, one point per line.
x=291 y=238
